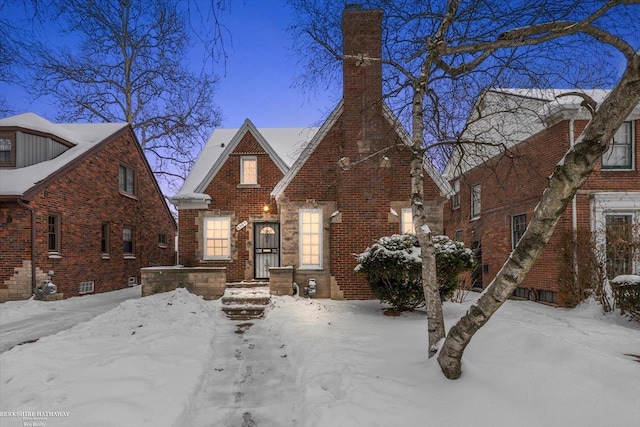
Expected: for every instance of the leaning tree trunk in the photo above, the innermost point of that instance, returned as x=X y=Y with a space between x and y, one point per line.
x=567 y=177
x=435 y=318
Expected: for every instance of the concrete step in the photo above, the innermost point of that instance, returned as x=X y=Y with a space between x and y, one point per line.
x=244 y=312
x=245 y=303
x=247 y=284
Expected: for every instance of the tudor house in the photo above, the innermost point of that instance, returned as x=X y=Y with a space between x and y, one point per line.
x=309 y=198
x=496 y=189
x=79 y=206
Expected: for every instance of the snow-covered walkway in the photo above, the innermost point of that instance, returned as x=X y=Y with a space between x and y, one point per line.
x=249 y=382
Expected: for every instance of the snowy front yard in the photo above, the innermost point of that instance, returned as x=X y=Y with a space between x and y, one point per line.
x=175 y=360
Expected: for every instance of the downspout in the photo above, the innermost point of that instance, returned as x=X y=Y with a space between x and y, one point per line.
x=574 y=207
x=33 y=241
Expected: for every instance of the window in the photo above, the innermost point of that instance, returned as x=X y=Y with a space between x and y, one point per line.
x=406 y=222
x=620 y=152
x=455 y=200
x=162 y=240
x=54 y=233
x=248 y=170
x=619 y=244
x=518 y=226
x=127 y=241
x=310 y=238
x=548 y=296
x=475 y=201
x=521 y=293
x=217 y=238
x=126 y=180
x=85 y=287
x=104 y=238
x=7 y=150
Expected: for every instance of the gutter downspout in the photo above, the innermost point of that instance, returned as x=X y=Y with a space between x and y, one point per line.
x=33 y=241
x=574 y=207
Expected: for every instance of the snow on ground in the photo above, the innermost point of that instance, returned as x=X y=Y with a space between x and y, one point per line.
x=175 y=360
x=23 y=321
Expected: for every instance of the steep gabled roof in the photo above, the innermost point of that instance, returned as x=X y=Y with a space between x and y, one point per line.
x=279 y=189
x=504 y=117
x=82 y=137
x=279 y=143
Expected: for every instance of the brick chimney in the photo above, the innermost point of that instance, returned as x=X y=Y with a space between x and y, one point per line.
x=362 y=76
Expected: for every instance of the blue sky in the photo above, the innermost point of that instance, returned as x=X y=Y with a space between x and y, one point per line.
x=257 y=82
x=261 y=69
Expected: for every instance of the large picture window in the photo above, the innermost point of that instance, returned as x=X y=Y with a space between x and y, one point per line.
x=310 y=238
x=248 y=170
x=217 y=238
x=620 y=152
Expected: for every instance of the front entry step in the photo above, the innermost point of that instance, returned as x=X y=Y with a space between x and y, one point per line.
x=245 y=303
x=247 y=284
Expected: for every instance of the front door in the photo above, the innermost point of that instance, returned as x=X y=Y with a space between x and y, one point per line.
x=619 y=245
x=266 y=238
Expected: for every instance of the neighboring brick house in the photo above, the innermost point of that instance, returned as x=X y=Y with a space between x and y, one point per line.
x=79 y=206
x=248 y=206
x=497 y=188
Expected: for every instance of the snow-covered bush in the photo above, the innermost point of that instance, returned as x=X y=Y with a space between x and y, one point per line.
x=394 y=269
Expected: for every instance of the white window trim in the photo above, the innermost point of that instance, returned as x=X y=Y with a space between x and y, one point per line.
x=632 y=148
x=403 y=224
x=475 y=215
x=301 y=235
x=242 y=160
x=455 y=200
x=204 y=238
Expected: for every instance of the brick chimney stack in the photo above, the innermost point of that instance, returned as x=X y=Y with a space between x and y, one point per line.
x=362 y=75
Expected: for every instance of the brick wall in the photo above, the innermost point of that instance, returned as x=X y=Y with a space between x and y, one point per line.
x=242 y=203
x=84 y=198
x=512 y=184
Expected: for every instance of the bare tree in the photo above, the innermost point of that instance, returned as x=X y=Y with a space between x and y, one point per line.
x=441 y=55
x=127 y=61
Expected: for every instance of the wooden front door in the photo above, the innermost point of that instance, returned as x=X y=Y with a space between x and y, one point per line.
x=266 y=238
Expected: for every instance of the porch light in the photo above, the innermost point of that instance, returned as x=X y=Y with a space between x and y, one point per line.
x=265 y=208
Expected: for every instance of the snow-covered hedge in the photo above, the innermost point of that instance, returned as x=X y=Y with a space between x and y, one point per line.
x=393 y=268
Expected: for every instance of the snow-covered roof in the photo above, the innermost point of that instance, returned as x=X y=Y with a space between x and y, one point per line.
x=505 y=117
x=279 y=189
x=282 y=144
x=83 y=137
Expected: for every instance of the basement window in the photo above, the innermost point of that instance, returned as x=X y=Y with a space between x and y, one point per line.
x=85 y=287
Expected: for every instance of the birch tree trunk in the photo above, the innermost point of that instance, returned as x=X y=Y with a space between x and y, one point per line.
x=567 y=177
x=435 y=318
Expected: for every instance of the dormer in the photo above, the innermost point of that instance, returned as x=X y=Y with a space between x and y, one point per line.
x=20 y=148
